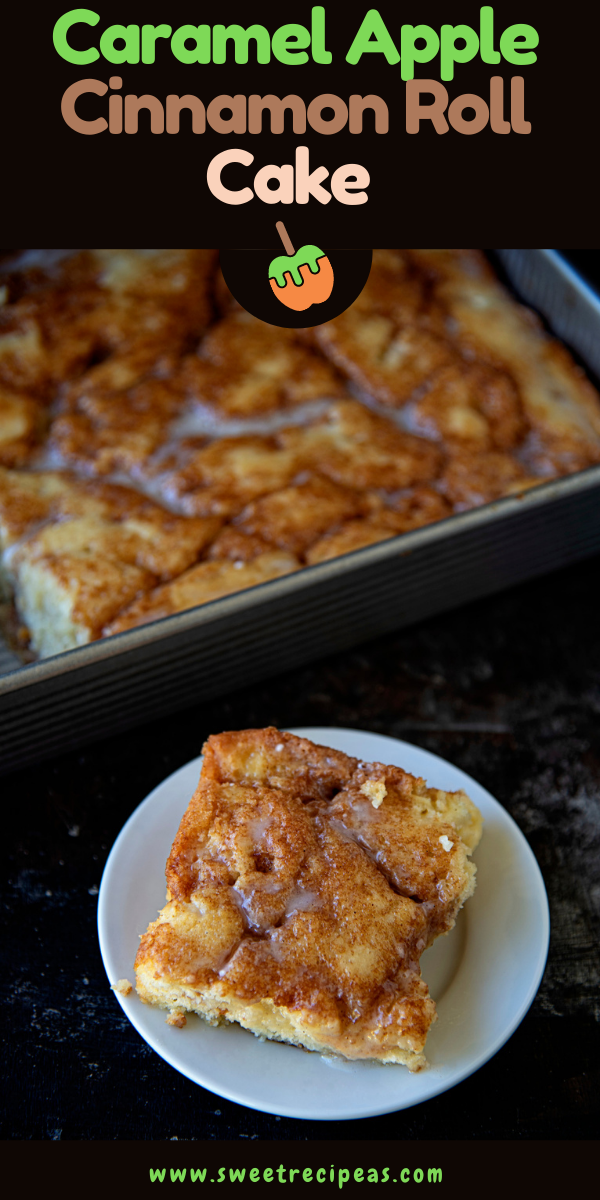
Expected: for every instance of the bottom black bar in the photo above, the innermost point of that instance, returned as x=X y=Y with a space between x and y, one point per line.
x=470 y=1168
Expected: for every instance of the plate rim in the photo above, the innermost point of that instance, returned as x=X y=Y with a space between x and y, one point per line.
x=440 y=1085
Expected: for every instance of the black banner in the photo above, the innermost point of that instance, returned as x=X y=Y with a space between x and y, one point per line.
x=436 y=1168
x=117 y=118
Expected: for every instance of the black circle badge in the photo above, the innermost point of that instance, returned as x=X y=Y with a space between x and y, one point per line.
x=298 y=284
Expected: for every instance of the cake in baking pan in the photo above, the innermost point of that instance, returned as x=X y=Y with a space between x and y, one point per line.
x=161 y=448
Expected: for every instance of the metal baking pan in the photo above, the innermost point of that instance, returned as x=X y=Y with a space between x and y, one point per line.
x=84 y=694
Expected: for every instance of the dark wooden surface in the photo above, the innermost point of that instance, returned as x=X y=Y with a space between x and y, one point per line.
x=509 y=690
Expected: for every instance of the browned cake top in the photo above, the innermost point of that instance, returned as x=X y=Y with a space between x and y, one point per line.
x=357 y=448
x=296 y=516
x=50 y=506
x=305 y=877
x=246 y=367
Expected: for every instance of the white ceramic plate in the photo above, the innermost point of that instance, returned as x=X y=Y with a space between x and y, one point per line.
x=483 y=976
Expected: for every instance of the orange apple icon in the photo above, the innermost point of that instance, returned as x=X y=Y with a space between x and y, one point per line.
x=300 y=278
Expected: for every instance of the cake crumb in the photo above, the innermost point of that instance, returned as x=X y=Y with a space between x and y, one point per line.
x=446 y=843
x=122 y=986
x=177 y=1018
x=375 y=790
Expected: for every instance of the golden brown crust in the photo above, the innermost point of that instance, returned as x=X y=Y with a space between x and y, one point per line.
x=221 y=476
x=22 y=425
x=384 y=359
x=414 y=507
x=238 y=546
x=559 y=404
x=392 y=340
x=23 y=361
x=359 y=449
x=201 y=584
x=245 y=367
x=271 y=758
x=410 y=509
x=303 y=886
x=472 y=407
x=296 y=516
x=67 y=312
x=352 y=535
x=164 y=543
x=114 y=430
x=473 y=479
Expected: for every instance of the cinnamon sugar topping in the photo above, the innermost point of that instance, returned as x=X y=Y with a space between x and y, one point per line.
x=299 y=904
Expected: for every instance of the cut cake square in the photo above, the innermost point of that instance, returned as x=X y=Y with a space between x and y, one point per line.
x=302 y=888
x=75 y=553
x=205 y=582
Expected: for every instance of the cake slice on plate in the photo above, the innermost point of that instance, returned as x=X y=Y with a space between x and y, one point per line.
x=302 y=888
